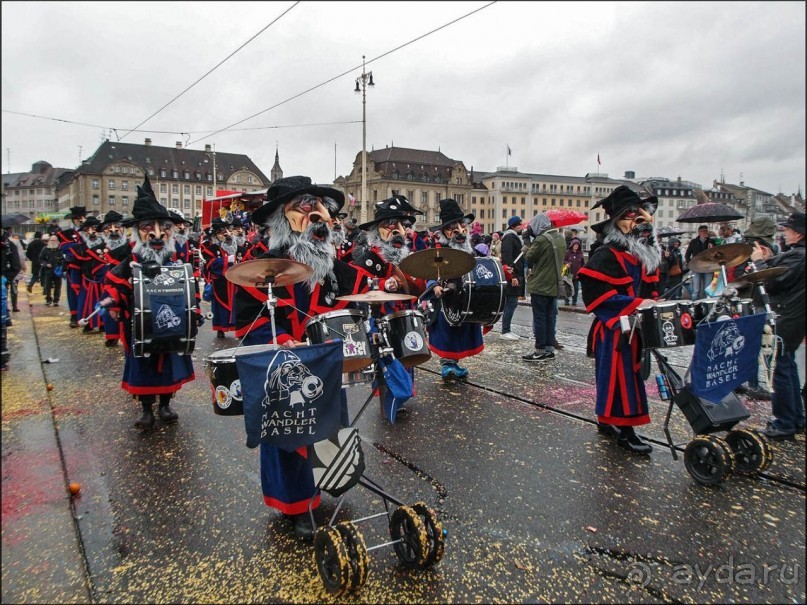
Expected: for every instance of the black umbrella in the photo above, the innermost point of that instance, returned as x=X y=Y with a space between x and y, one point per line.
x=710 y=212
x=12 y=220
x=668 y=232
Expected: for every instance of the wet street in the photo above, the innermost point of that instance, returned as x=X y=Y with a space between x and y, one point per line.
x=537 y=506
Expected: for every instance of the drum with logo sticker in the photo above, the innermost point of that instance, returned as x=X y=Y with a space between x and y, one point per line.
x=164 y=317
x=481 y=298
x=349 y=325
x=225 y=384
x=406 y=333
x=667 y=324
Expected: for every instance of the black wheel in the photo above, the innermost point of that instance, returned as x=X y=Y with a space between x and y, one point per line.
x=409 y=532
x=356 y=552
x=434 y=533
x=707 y=461
x=333 y=563
x=766 y=444
x=750 y=452
x=646 y=364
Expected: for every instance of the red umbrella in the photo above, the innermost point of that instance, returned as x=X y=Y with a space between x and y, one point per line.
x=563 y=218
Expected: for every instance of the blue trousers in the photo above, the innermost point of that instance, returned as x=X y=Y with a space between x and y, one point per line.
x=510 y=306
x=544 y=316
x=788 y=407
x=699 y=283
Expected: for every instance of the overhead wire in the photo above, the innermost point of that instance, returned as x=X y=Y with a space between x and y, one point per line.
x=351 y=70
x=219 y=64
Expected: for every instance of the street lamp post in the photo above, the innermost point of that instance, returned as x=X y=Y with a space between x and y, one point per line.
x=366 y=80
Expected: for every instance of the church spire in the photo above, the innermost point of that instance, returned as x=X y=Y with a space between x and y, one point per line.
x=277 y=171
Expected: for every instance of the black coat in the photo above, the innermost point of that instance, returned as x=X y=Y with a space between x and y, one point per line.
x=510 y=249
x=787 y=295
x=32 y=253
x=696 y=245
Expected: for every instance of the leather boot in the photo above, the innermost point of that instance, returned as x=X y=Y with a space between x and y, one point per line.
x=632 y=442
x=303 y=527
x=167 y=415
x=147 y=420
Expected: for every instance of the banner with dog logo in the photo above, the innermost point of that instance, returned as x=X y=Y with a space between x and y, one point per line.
x=291 y=397
x=725 y=355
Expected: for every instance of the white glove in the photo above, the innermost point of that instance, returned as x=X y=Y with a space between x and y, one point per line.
x=231 y=259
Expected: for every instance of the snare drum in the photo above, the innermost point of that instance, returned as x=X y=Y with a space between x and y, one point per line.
x=481 y=298
x=740 y=307
x=164 y=318
x=406 y=334
x=349 y=325
x=667 y=324
x=225 y=384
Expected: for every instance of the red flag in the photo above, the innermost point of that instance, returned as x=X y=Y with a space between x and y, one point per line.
x=598 y=159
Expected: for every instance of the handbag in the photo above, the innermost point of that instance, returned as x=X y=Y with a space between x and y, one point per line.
x=675 y=270
x=58 y=270
x=565 y=288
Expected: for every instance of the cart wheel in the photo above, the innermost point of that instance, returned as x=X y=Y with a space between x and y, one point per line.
x=434 y=533
x=333 y=563
x=766 y=444
x=412 y=546
x=749 y=451
x=708 y=462
x=732 y=460
x=356 y=551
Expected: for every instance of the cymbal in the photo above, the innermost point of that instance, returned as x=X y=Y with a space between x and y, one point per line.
x=375 y=297
x=438 y=263
x=401 y=280
x=262 y=271
x=758 y=276
x=727 y=255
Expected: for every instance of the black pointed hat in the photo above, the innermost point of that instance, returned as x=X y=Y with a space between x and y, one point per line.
x=405 y=205
x=619 y=200
x=76 y=212
x=450 y=212
x=111 y=217
x=146 y=207
x=387 y=209
x=287 y=188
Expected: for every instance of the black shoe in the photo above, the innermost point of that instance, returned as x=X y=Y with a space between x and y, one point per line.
x=16 y=310
x=609 y=430
x=557 y=345
x=146 y=421
x=167 y=415
x=219 y=334
x=74 y=323
x=758 y=393
x=47 y=304
x=775 y=434
x=30 y=288
x=303 y=527
x=112 y=342
x=534 y=356
x=55 y=303
x=87 y=329
x=632 y=442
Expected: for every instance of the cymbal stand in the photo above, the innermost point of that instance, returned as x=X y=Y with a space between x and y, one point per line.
x=763 y=293
x=271 y=303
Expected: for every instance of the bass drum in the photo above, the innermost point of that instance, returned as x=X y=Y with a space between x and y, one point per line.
x=480 y=300
x=406 y=334
x=225 y=384
x=164 y=317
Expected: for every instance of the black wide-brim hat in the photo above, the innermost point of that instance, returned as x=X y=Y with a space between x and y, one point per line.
x=286 y=189
x=405 y=205
x=147 y=208
x=390 y=208
x=111 y=217
x=619 y=200
x=91 y=221
x=219 y=224
x=179 y=219
x=450 y=212
x=76 y=212
x=795 y=221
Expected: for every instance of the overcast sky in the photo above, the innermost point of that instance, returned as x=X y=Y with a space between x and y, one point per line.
x=662 y=89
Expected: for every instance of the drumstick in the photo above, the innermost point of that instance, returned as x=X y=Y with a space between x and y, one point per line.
x=85 y=320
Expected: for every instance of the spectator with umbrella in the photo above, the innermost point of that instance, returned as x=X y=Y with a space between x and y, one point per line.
x=697 y=245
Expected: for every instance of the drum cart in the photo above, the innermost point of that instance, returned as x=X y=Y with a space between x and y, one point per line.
x=708 y=458
x=416 y=534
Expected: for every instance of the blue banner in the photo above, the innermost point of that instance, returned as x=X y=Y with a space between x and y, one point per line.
x=725 y=355
x=291 y=397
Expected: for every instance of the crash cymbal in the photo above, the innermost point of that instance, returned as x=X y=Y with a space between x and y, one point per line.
x=401 y=280
x=438 y=263
x=758 y=276
x=727 y=255
x=262 y=271
x=375 y=297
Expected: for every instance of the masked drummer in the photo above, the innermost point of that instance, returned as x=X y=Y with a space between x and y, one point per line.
x=161 y=374
x=618 y=277
x=220 y=252
x=453 y=343
x=298 y=214
x=117 y=250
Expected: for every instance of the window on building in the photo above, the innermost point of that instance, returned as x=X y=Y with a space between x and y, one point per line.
x=553 y=201
x=163 y=201
x=210 y=191
x=187 y=189
x=110 y=184
x=424 y=197
x=124 y=185
x=198 y=189
x=174 y=202
x=163 y=173
x=174 y=188
x=504 y=212
x=95 y=184
x=186 y=204
x=560 y=202
x=111 y=200
x=96 y=200
x=124 y=200
x=578 y=203
x=125 y=170
x=175 y=174
x=116 y=169
x=187 y=174
x=151 y=171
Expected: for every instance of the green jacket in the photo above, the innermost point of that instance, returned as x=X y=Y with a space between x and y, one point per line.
x=543 y=275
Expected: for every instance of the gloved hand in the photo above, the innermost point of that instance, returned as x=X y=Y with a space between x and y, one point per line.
x=102 y=311
x=200 y=320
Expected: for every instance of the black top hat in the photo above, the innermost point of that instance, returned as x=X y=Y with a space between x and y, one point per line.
x=90 y=222
x=388 y=209
x=146 y=207
x=76 y=212
x=111 y=217
x=178 y=219
x=405 y=205
x=619 y=200
x=450 y=212
x=288 y=188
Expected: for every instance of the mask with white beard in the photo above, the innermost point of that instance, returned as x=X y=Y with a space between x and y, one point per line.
x=181 y=238
x=641 y=242
x=464 y=245
x=228 y=246
x=162 y=255
x=239 y=240
x=93 y=241
x=338 y=236
x=115 y=242
x=314 y=246
x=391 y=253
